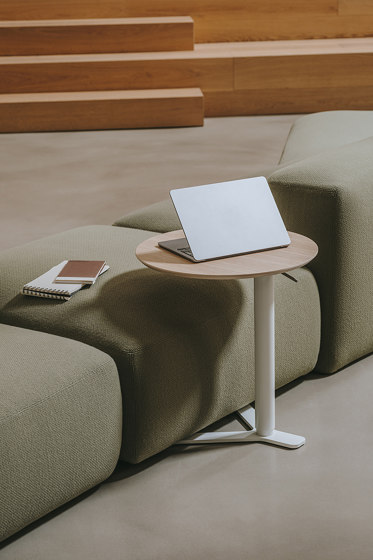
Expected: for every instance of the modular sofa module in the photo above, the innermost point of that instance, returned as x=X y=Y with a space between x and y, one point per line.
x=60 y=423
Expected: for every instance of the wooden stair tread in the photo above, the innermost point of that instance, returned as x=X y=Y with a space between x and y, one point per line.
x=292 y=64
x=169 y=93
x=287 y=48
x=265 y=77
x=95 y=21
x=214 y=50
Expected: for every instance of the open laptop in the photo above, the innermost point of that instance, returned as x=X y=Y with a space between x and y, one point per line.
x=226 y=219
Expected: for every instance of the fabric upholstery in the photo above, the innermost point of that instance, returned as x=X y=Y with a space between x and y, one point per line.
x=314 y=134
x=60 y=423
x=329 y=197
x=183 y=347
x=160 y=217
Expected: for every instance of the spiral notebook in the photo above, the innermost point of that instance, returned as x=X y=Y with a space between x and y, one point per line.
x=44 y=285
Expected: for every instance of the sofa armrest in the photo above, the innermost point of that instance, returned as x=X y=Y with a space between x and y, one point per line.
x=329 y=198
x=312 y=134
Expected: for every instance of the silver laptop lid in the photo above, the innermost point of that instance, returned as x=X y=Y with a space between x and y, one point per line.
x=230 y=218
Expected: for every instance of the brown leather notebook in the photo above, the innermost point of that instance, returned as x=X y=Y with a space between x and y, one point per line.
x=80 y=272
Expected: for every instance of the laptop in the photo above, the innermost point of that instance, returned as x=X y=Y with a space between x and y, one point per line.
x=226 y=219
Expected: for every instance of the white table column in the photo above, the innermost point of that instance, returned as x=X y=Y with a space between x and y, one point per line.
x=264 y=310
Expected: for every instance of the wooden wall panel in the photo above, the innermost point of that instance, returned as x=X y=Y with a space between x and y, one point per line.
x=312 y=71
x=55 y=9
x=287 y=101
x=355 y=7
x=295 y=77
x=186 y=7
x=241 y=26
x=219 y=20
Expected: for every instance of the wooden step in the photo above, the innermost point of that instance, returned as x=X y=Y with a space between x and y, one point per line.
x=236 y=78
x=118 y=71
x=100 y=110
x=96 y=36
x=219 y=20
x=218 y=67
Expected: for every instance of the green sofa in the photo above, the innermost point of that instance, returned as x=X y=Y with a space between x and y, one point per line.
x=141 y=360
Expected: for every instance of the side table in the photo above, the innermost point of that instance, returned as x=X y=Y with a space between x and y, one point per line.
x=262 y=266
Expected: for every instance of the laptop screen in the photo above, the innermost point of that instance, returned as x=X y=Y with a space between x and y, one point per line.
x=229 y=218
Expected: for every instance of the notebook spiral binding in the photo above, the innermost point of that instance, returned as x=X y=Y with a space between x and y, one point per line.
x=51 y=294
x=50 y=291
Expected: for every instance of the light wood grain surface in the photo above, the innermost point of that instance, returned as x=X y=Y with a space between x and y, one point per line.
x=356 y=7
x=218 y=20
x=285 y=100
x=300 y=251
x=95 y=21
x=113 y=72
x=121 y=45
x=46 y=37
x=100 y=110
x=51 y=9
x=236 y=79
x=220 y=67
x=239 y=50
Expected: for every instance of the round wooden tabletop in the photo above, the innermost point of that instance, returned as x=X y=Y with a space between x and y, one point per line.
x=274 y=261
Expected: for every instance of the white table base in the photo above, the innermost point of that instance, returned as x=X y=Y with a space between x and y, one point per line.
x=261 y=421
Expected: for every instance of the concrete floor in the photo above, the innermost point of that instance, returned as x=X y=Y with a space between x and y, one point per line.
x=237 y=501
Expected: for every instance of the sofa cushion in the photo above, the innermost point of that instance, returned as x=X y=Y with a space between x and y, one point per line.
x=329 y=197
x=159 y=217
x=60 y=423
x=315 y=133
x=183 y=347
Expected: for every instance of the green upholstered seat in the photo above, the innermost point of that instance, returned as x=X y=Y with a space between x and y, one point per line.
x=315 y=133
x=159 y=217
x=60 y=423
x=329 y=197
x=183 y=347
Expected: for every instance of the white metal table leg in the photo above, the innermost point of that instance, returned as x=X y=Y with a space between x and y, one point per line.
x=264 y=313
x=262 y=420
x=264 y=309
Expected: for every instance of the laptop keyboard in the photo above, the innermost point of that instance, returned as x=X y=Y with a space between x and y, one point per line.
x=186 y=251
